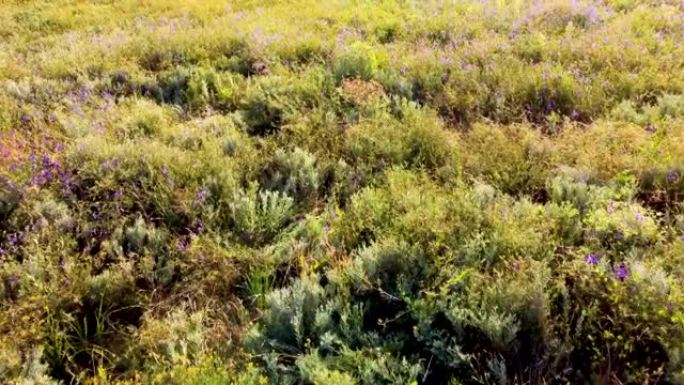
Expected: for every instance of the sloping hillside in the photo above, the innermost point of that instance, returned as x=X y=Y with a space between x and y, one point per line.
x=342 y=192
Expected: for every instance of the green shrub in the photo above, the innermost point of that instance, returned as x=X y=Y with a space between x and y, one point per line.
x=176 y=340
x=533 y=48
x=666 y=107
x=512 y=158
x=297 y=316
x=256 y=215
x=269 y=101
x=416 y=139
x=236 y=55
x=357 y=60
x=31 y=370
x=87 y=333
x=622 y=225
x=159 y=59
x=364 y=192
x=303 y=51
x=293 y=173
x=314 y=371
x=627 y=111
x=598 y=335
x=671 y=106
x=207 y=88
x=147 y=119
x=553 y=92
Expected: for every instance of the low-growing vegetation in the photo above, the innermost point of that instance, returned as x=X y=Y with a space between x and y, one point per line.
x=342 y=192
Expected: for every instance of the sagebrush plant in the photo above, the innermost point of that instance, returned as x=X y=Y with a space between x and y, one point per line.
x=293 y=173
x=303 y=192
x=257 y=215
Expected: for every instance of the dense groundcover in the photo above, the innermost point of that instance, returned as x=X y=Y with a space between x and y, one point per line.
x=342 y=192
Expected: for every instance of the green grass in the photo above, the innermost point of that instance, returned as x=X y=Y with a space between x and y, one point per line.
x=353 y=192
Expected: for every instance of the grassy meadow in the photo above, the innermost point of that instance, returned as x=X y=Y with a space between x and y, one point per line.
x=341 y=192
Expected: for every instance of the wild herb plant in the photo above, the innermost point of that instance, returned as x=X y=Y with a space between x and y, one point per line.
x=303 y=192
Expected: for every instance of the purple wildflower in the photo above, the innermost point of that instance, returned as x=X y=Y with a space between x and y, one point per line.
x=201 y=195
x=182 y=245
x=47 y=175
x=117 y=195
x=592 y=15
x=2 y=251
x=47 y=162
x=516 y=266
x=672 y=176
x=620 y=272
x=651 y=128
x=198 y=226
x=591 y=259
x=84 y=94
x=639 y=217
x=25 y=118
x=64 y=179
x=13 y=239
x=38 y=180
